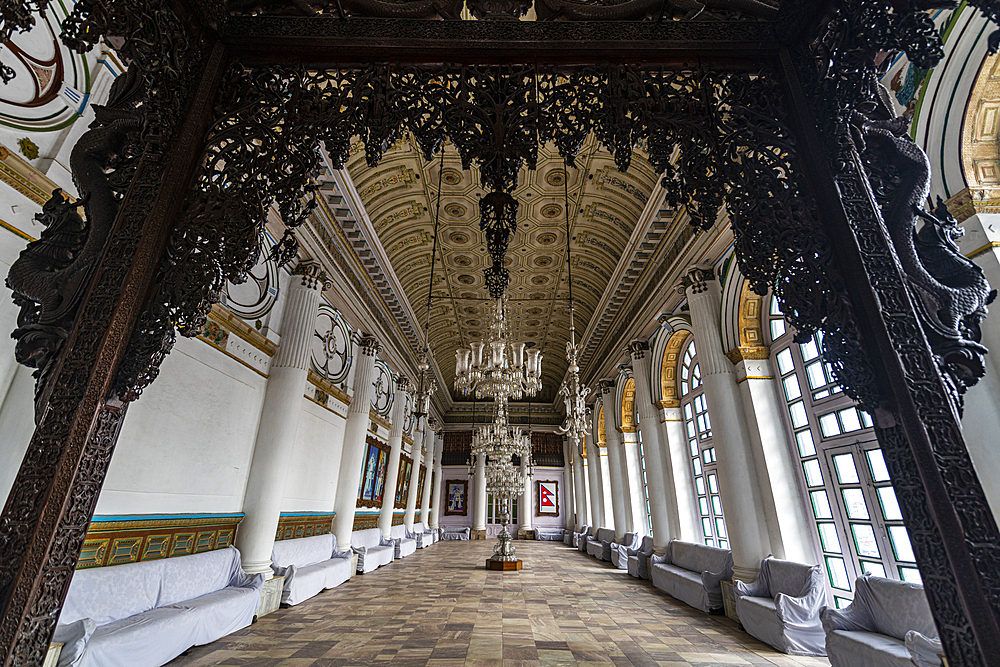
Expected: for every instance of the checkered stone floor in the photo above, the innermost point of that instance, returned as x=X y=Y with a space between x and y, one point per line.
x=441 y=608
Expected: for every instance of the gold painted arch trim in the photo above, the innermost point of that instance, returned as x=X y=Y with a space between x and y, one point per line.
x=669 y=396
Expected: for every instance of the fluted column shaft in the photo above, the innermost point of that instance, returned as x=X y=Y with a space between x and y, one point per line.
x=662 y=495
x=621 y=497
x=358 y=419
x=569 y=485
x=596 y=483
x=742 y=500
x=279 y=421
x=395 y=450
x=436 y=491
x=580 y=482
x=419 y=435
x=527 y=497
x=479 y=506
x=430 y=442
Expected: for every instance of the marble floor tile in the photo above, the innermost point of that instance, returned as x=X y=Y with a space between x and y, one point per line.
x=440 y=607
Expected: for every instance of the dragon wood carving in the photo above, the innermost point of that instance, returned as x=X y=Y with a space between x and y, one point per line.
x=50 y=275
x=950 y=292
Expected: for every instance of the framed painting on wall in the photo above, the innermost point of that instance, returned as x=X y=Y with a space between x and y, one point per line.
x=546 y=498
x=370 y=489
x=403 y=481
x=457 y=491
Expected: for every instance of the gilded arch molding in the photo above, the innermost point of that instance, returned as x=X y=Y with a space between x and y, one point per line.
x=750 y=326
x=669 y=396
x=627 y=411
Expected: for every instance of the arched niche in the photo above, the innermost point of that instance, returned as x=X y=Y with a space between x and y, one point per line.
x=627 y=406
x=602 y=433
x=980 y=147
x=669 y=396
x=742 y=318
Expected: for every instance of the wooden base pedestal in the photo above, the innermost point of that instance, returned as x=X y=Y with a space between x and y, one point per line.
x=503 y=565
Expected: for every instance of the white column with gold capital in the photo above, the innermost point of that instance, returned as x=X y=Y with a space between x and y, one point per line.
x=395 y=450
x=662 y=495
x=430 y=441
x=569 y=490
x=596 y=481
x=527 y=506
x=279 y=420
x=621 y=498
x=358 y=420
x=436 y=499
x=580 y=482
x=742 y=500
x=419 y=435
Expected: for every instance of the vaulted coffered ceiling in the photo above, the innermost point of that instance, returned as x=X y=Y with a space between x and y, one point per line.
x=401 y=195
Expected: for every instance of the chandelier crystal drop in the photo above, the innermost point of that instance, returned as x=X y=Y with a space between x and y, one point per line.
x=496 y=368
x=574 y=393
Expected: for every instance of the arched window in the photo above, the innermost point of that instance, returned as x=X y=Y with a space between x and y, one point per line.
x=698 y=427
x=858 y=522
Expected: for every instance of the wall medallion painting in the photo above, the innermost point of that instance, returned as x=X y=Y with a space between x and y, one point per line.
x=458 y=491
x=372 y=486
x=546 y=498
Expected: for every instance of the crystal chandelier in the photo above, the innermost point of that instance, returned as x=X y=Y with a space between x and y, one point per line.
x=495 y=368
x=573 y=392
x=426 y=386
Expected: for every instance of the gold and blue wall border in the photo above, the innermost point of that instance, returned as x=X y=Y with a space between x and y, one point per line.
x=292 y=525
x=131 y=538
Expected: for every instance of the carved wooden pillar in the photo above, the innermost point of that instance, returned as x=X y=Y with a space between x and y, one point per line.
x=53 y=498
x=952 y=530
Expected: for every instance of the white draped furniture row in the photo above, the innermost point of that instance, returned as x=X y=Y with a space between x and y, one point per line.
x=403 y=544
x=373 y=549
x=423 y=536
x=782 y=607
x=638 y=559
x=580 y=537
x=693 y=573
x=456 y=533
x=620 y=550
x=146 y=614
x=310 y=565
x=889 y=624
x=599 y=545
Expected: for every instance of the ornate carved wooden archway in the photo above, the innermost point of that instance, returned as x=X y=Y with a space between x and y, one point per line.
x=208 y=129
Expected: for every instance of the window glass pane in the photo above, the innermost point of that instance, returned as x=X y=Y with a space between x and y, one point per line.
x=850 y=420
x=708 y=422
x=684 y=387
x=713 y=483
x=817 y=395
x=703 y=504
x=854 y=502
x=775 y=308
x=708 y=455
x=785 y=363
x=876 y=463
x=809 y=350
x=804 y=439
x=694 y=447
x=821 y=505
x=687 y=411
x=841 y=602
x=692 y=350
x=910 y=574
x=828 y=538
x=702 y=424
x=814 y=372
x=828 y=425
x=709 y=541
x=846 y=472
x=901 y=543
x=723 y=544
x=720 y=526
x=798 y=412
x=864 y=540
x=697 y=466
x=699 y=485
x=706 y=527
x=890 y=508
x=866 y=419
x=792 y=390
x=777 y=329
x=838 y=573
x=717 y=504
x=813 y=475
x=690 y=428
x=876 y=569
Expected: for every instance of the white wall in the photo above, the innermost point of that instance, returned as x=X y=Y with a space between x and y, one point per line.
x=311 y=485
x=548 y=474
x=187 y=442
x=453 y=473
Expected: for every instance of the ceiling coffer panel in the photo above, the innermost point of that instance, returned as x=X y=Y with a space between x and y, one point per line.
x=401 y=197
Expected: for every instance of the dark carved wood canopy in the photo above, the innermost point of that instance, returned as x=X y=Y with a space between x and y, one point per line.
x=774 y=114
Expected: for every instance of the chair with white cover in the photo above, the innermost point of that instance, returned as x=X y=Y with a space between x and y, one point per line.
x=404 y=546
x=889 y=623
x=638 y=559
x=782 y=607
x=619 y=550
x=309 y=565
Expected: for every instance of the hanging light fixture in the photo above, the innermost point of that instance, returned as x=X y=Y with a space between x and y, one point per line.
x=496 y=368
x=573 y=392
